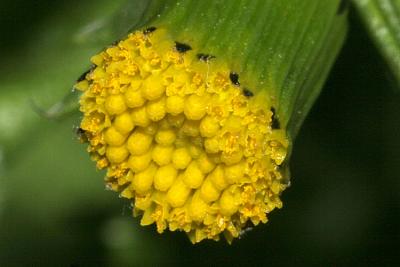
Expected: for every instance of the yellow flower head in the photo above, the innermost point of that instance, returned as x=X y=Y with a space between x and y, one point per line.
x=181 y=138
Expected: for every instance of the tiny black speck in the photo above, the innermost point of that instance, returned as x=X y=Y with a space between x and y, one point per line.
x=149 y=30
x=115 y=43
x=182 y=48
x=247 y=93
x=80 y=131
x=234 y=78
x=275 y=121
x=83 y=75
x=205 y=57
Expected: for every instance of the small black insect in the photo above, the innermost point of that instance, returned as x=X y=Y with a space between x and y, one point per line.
x=81 y=134
x=114 y=43
x=149 y=30
x=205 y=57
x=275 y=121
x=234 y=78
x=182 y=48
x=83 y=75
x=79 y=131
x=343 y=6
x=247 y=93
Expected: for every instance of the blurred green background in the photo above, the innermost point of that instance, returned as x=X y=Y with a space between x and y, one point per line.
x=343 y=207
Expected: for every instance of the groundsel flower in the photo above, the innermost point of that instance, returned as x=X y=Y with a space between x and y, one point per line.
x=192 y=146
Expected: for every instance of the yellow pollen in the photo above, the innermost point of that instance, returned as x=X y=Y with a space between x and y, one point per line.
x=180 y=140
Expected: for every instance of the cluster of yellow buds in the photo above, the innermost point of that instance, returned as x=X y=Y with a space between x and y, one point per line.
x=181 y=138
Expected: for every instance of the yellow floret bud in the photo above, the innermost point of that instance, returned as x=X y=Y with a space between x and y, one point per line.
x=195 y=107
x=141 y=162
x=181 y=158
x=276 y=187
x=198 y=208
x=234 y=173
x=165 y=177
x=190 y=128
x=228 y=203
x=139 y=117
x=194 y=151
x=217 y=178
x=178 y=193
x=209 y=126
x=156 y=109
x=165 y=137
x=193 y=177
x=176 y=121
x=151 y=129
x=114 y=137
x=233 y=124
x=82 y=85
x=115 y=104
x=139 y=143
x=134 y=98
x=175 y=104
x=208 y=191
x=153 y=88
x=211 y=145
x=143 y=180
x=97 y=59
x=205 y=164
x=162 y=155
x=123 y=123
x=116 y=154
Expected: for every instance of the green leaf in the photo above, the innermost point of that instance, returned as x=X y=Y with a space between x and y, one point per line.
x=285 y=48
x=382 y=18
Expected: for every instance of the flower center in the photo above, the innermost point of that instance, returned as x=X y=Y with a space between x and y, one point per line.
x=180 y=138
